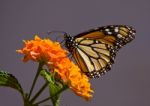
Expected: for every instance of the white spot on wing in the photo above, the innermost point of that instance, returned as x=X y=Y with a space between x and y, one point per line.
x=107 y=30
x=116 y=29
x=119 y=36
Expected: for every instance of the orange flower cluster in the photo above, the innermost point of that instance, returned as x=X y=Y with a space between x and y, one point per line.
x=42 y=50
x=77 y=81
x=55 y=57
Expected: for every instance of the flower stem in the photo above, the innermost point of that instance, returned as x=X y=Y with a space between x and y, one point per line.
x=39 y=92
x=46 y=99
x=35 y=79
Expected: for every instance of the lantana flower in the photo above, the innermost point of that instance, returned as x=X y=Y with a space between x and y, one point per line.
x=51 y=53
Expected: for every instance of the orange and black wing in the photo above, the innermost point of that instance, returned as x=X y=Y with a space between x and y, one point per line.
x=96 y=49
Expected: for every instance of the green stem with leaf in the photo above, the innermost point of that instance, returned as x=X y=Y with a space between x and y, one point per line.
x=55 y=86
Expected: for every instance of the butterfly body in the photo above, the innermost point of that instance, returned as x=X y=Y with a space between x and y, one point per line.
x=95 y=50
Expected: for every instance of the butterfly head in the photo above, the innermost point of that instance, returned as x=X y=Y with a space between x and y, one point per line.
x=69 y=42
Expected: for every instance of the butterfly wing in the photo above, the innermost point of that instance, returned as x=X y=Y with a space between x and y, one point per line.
x=94 y=59
x=96 y=49
x=111 y=34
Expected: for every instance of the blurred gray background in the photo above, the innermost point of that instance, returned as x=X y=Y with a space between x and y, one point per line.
x=127 y=84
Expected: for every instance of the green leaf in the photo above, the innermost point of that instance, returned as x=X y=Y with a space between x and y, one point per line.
x=46 y=75
x=8 y=80
x=54 y=89
x=55 y=86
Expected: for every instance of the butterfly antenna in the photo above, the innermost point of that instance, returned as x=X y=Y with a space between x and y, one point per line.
x=62 y=32
x=50 y=32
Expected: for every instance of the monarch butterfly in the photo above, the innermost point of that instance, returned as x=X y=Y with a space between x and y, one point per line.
x=94 y=51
